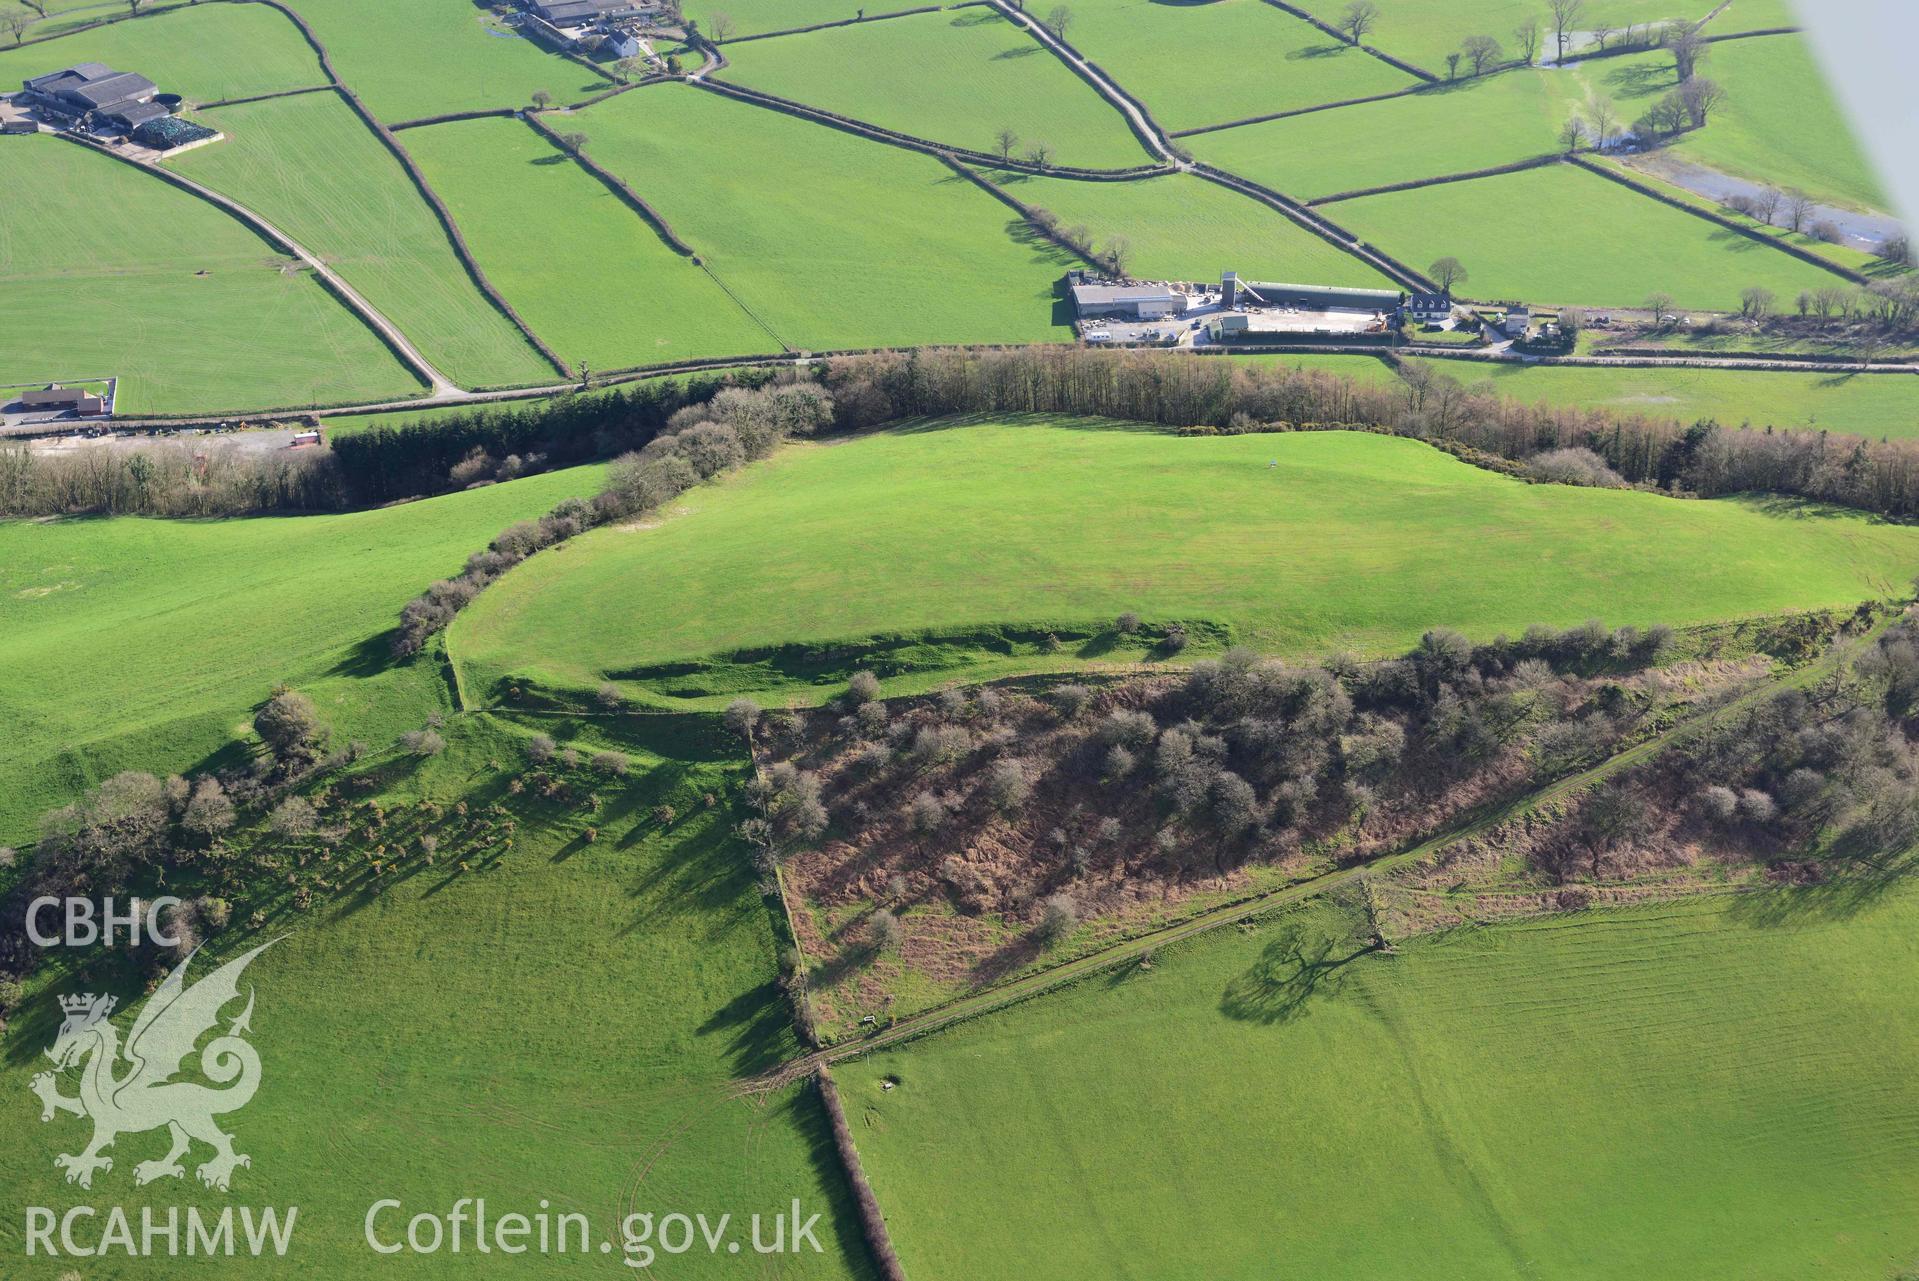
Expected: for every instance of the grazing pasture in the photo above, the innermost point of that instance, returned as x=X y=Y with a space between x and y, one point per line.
x=957 y=77
x=1185 y=228
x=1780 y=124
x=430 y=57
x=1872 y=405
x=1365 y=369
x=60 y=16
x=152 y=640
x=204 y=53
x=600 y=285
x=542 y=1021
x=755 y=17
x=1200 y=64
x=313 y=169
x=952 y=527
x=1565 y=236
x=1476 y=124
x=1704 y=1091
x=124 y=275
x=1754 y=15
x=832 y=241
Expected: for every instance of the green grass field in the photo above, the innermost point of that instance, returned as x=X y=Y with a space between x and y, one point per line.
x=1476 y=124
x=1788 y=139
x=832 y=241
x=1867 y=404
x=1200 y=64
x=60 y=15
x=1366 y=369
x=204 y=53
x=1705 y=1091
x=154 y=640
x=1562 y=235
x=1185 y=228
x=954 y=77
x=1754 y=15
x=430 y=57
x=558 y=1024
x=124 y=275
x=1424 y=31
x=311 y=167
x=751 y=17
x=953 y=528
x=603 y=288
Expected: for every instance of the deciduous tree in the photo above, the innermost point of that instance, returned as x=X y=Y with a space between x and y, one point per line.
x=1700 y=97
x=1565 y=19
x=1527 y=36
x=1482 y=52
x=1360 y=17
x=1447 y=272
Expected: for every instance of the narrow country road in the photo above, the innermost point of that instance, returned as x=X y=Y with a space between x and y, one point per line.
x=1142 y=124
x=443 y=388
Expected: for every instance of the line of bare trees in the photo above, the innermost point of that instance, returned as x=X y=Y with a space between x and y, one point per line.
x=204 y=476
x=1703 y=458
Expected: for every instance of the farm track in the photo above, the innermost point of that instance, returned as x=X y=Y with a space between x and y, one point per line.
x=1034 y=985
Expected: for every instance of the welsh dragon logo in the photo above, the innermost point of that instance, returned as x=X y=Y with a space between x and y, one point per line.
x=144 y=1096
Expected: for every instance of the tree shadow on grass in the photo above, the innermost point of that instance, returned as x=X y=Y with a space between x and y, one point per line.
x=755 y=1027
x=1011 y=957
x=1294 y=968
x=1314 y=52
x=372 y=656
x=1024 y=51
x=1860 y=879
x=1640 y=79
x=1783 y=507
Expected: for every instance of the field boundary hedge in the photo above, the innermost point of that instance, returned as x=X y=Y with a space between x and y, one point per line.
x=910 y=142
x=617 y=186
x=1407 y=92
x=1019 y=207
x=260 y=97
x=1517 y=166
x=420 y=184
x=453 y=117
x=1325 y=228
x=1804 y=255
x=850 y=22
x=274 y=238
x=872 y=1218
x=1398 y=63
x=1815 y=359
